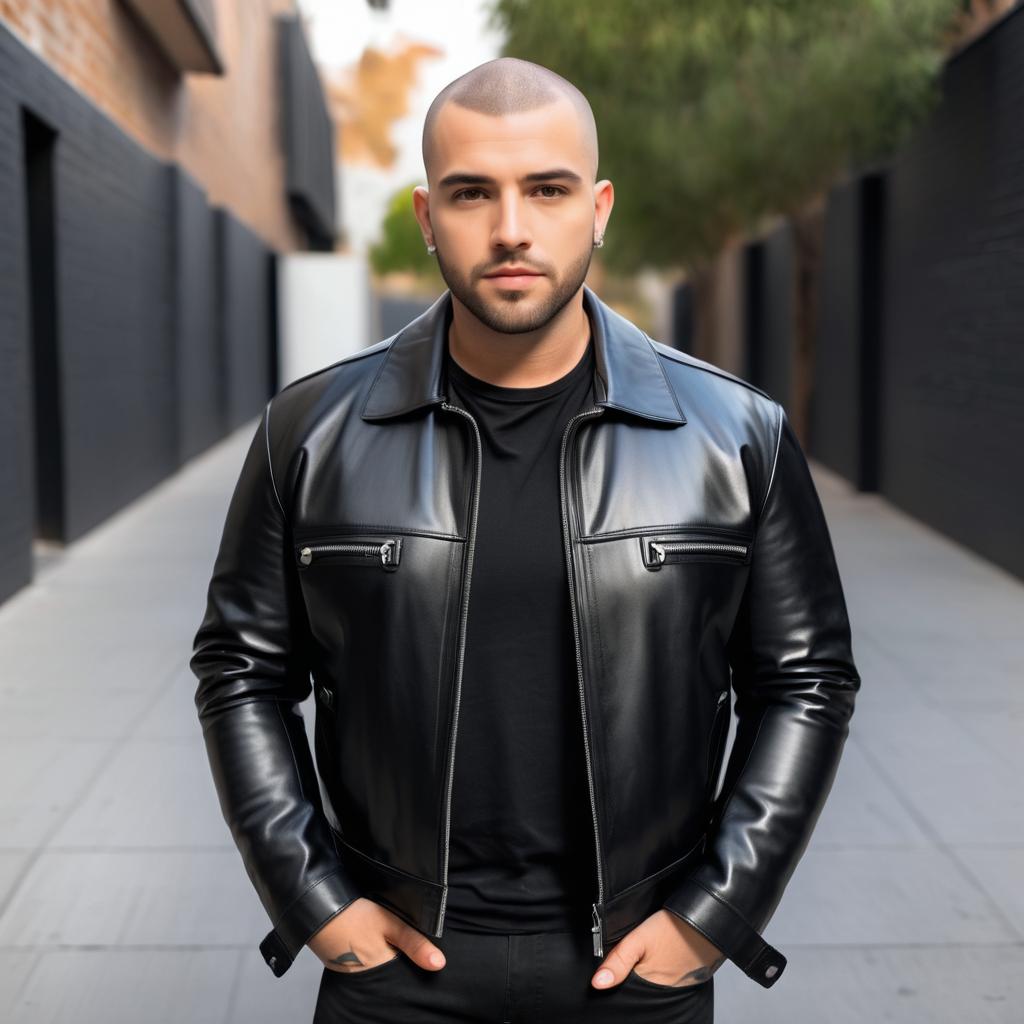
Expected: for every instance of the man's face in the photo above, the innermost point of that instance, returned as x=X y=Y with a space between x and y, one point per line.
x=515 y=191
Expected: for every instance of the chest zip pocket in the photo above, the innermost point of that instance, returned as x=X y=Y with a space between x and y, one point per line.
x=385 y=553
x=657 y=551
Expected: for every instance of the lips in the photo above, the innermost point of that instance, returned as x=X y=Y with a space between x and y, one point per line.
x=514 y=277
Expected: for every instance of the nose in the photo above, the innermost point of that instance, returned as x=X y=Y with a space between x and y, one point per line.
x=511 y=230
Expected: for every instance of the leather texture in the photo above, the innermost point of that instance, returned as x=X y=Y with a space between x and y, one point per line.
x=703 y=583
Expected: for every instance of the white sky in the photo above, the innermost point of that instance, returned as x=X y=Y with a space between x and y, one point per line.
x=341 y=29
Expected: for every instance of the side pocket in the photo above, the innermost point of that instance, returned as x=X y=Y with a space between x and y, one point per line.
x=719 y=728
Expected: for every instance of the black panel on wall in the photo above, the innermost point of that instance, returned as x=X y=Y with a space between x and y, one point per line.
x=246 y=337
x=835 y=395
x=200 y=387
x=682 y=316
x=125 y=281
x=16 y=475
x=775 y=356
x=873 y=279
x=114 y=289
x=845 y=397
x=753 y=318
x=39 y=142
x=954 y=307
x=308 y=135
x=394 y=312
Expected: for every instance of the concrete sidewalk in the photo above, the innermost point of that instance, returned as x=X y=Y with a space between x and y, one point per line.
x=123 y=899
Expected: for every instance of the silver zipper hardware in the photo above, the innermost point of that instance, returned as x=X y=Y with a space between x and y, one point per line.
x=388 y=551
x=596 y=929
x=466 y=580
x=657 y=552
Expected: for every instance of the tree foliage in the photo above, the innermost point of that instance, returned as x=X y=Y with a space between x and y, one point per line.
x=714 y=113
x=401 y=246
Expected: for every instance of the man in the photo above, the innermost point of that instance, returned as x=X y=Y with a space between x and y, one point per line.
x=522 y=554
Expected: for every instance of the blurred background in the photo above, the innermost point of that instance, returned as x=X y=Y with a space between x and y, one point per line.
x=201 y=200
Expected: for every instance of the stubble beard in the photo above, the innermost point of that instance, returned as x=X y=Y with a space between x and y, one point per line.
x=515 y=312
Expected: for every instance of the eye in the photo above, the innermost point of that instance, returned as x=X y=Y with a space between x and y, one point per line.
x=465 y=191
x=559 y=191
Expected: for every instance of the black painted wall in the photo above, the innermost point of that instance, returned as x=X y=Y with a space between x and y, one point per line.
x=200 y=382
x=683 y=317
x=769 y=282
x=308 y=135
x=952 y=416
x=135 y=322
x=247 y=331
x=845 y=397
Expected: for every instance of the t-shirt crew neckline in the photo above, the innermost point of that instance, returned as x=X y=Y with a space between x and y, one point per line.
x=501 y=393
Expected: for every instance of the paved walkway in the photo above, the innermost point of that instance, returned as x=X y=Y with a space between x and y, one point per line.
x=122 y=898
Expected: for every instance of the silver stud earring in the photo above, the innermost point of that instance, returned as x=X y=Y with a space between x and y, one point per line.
x=599 y=241
x=431 y=249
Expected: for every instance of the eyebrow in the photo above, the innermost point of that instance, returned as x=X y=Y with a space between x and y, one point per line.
x=464 y=178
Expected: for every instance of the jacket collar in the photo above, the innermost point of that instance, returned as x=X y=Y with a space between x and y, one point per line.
x=627 y=375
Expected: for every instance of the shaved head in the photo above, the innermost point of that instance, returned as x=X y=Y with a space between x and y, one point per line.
x=508 y=85
x=513 y=210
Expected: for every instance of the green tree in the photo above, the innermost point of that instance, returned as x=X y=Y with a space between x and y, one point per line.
x=401 y=247
x=713 y=113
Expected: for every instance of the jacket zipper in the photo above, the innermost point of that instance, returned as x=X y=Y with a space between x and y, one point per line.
x=658 y=551
x=466 y=580
x=595 y=929
x=387 y=551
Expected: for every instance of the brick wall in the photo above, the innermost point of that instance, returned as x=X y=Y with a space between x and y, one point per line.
x=221 y=129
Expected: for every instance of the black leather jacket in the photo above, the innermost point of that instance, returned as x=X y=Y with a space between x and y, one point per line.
x=699 y=564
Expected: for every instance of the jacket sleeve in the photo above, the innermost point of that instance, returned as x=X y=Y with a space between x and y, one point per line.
x=795 y=683
x=248 y=658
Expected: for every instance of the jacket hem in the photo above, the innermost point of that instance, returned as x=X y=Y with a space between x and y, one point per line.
x=624 y=910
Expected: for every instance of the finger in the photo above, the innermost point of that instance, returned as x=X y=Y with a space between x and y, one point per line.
x=417 y=947
x=617 y=964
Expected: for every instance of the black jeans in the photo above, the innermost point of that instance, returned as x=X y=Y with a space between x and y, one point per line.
x=505 y=979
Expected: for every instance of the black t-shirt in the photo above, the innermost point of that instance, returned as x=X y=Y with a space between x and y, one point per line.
x=521 y=853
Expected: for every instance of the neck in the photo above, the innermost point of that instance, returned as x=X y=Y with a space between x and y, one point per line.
x=526 y=360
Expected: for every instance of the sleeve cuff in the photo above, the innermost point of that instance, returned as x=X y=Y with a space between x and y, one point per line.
x=724 y=926
x=306 y=916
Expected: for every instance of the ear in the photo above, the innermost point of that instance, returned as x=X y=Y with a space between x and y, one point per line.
x=421 y=207
x=604 y=200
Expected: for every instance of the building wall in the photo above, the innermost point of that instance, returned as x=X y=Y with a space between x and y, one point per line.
x=222 y=130
x=136 y=319
x=919 y=383
x=953 y=307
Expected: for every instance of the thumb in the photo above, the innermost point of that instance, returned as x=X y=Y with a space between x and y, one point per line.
x=618 y=963
x=418 y=948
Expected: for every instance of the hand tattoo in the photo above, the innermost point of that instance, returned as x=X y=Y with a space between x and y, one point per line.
x=701 y=973
x=347 y=958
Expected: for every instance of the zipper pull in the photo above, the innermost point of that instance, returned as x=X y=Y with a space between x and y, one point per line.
x=596 y=931
x=387 y=552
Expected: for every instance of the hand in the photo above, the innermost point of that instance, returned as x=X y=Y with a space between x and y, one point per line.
x=671 y=952
x=365 y=934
